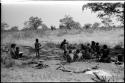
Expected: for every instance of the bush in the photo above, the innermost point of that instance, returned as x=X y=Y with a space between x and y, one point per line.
x=52 y=45
x=117 y=47
x=6 y=60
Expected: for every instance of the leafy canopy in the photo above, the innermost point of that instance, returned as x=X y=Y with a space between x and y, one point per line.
x=33 y=22
x=69 y=23
x=4 y=25
x=107 y=9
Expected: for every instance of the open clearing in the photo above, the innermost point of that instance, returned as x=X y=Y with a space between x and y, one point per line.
x=24 y=69
x=30 y=74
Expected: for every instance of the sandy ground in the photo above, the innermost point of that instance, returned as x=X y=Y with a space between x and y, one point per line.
x=28 y=73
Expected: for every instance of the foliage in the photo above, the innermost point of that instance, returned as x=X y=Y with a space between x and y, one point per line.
x=107 y=22
x=44 y=27
x=6 y=60
x=25 y=29
x=95 y=25
x=53 y=28
x=62 y=27
x=14 y=28
x=33 y=22
x=107 y=9
x=4 y=25
x=68 y=23
x=87 y=26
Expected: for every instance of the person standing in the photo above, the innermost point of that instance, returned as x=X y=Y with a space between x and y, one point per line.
x=37 y=47
x=64 y=45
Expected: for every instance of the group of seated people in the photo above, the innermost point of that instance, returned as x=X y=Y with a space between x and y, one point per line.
x=72 y=52
x=15 y=52
x=88 y=51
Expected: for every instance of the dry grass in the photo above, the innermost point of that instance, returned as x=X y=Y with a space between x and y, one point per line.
x=111 y=38
x=6 y=60
x=100 y=79
x=50 y=41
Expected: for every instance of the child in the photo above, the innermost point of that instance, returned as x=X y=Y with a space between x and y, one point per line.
x=70 y=57
x=37 y=47
x=18 y=53
x=79 y=55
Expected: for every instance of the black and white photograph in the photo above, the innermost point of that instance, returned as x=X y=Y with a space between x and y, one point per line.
x=62 y=41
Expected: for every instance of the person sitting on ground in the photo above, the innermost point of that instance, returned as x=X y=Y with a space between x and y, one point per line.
x=88 y=48
x=79 y=55
x=12 y=51
x=93 y=48
x=88 y=51
x=70 y=57
x=105 y=54
x=65 y=54
x=97 y=49
x=18 y=53
x=83 y=47
x=93 y=45
x=37 y=47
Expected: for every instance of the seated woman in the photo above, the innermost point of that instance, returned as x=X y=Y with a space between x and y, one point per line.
x=78 y=55
x=12 y=51
x=70 y=56
x=18 y=53
x=105 y=54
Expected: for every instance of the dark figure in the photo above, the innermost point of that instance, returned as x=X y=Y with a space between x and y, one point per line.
x=65 y=54
x=88 y=51
x=97 y=49
x=88 y=47
x=12 y=51
x=105 y=52
x=18 y=54
x=120 y=57
x=78 y=55
x=37 y=47
x=93 y=48
x=64 y=45
x=70 y=56
x=83 y=47
x=53 y=28
x=93 y=45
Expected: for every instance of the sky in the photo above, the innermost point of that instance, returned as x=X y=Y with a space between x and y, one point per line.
x=16 y=13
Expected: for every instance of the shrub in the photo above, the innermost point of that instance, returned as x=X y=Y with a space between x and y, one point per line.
x=117 y=47
x=52 y=45
x=6 y=60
